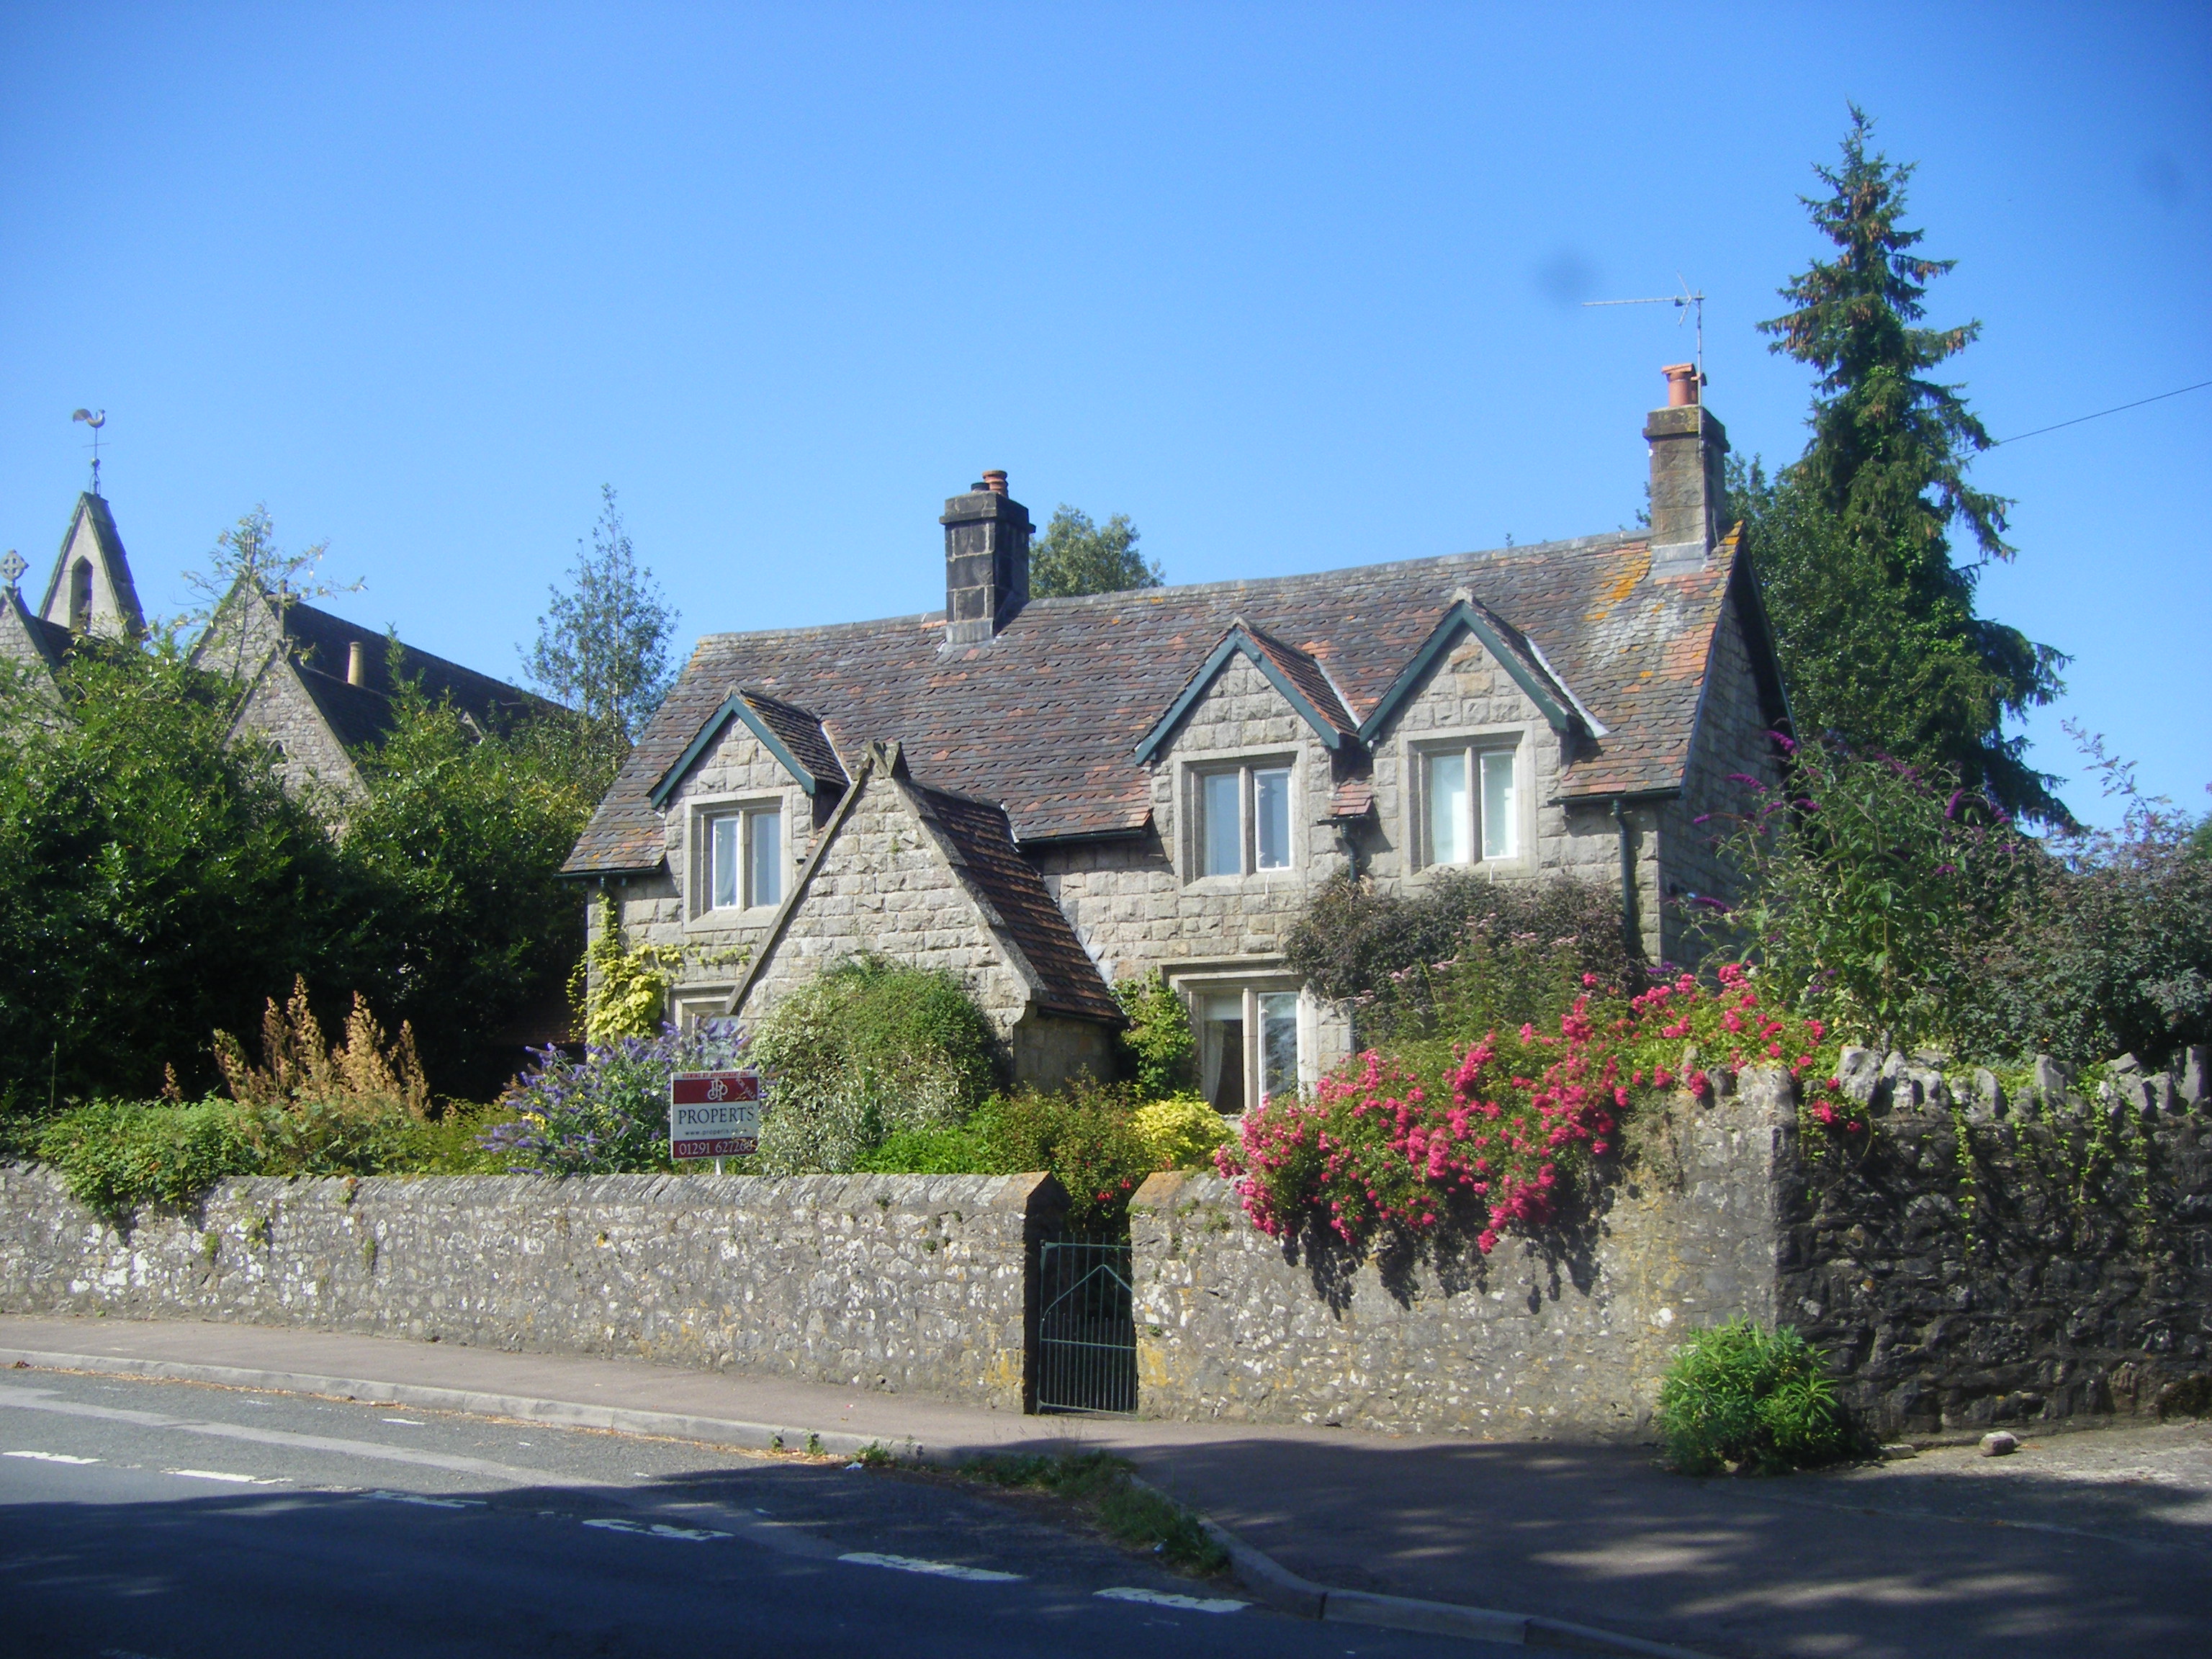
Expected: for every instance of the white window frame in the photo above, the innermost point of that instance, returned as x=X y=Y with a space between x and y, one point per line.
x=747 y=810
x=1477 y=747
x=1248 y=770
x=1251 y=993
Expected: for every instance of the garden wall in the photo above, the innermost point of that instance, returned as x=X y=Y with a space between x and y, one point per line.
x=1960 y=1269
x=1970 y=1270
x=903 y=1283
x=1569 y=1338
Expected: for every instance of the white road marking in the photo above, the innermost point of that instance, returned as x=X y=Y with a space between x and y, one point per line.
x=409 y=1422
x=427 y=1502
x=660 y=1529
x=51 y=1457
x=934 y=1569
x=1163 y=1599
x=234 y=1480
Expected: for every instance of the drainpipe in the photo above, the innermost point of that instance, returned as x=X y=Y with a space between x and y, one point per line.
x=1631 y=934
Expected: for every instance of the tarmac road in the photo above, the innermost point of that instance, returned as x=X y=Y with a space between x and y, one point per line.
x=146 y=1520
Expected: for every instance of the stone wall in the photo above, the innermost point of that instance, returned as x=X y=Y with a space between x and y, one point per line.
x=1731 y=744
x=1569 y=1340
x=1971 y=1269
x=901 y=1283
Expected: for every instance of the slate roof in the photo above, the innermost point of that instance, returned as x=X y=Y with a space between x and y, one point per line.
x=800 y=731
x=1045 y=717
x=50 y=640
x=983 y=846
x=360 y=716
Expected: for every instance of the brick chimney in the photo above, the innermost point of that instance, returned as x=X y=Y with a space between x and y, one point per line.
x=1688 y=447
x=987 y=560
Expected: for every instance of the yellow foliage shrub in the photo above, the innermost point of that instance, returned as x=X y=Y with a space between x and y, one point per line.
x=1180 y=1131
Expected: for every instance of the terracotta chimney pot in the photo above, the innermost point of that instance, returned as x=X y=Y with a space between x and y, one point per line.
x=1681 y=384
x=995 y=482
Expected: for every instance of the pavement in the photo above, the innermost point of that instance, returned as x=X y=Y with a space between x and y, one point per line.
x=2089 y=1542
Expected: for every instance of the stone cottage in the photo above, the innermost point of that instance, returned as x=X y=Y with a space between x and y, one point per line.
x=1049 y=795
x=319 y=685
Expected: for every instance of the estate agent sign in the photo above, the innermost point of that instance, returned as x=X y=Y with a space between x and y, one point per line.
x=713 y=1114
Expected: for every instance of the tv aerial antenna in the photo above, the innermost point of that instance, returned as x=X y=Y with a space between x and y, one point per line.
x=95 y=422
x=1687 y=304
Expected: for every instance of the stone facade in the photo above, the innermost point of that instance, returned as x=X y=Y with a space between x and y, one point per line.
x=1732 y=742
x=1569 y=1338
x=906 y=1284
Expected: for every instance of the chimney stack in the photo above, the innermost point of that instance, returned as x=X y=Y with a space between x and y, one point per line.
x=987 y=560
x=1688 y=450
x=357 y=664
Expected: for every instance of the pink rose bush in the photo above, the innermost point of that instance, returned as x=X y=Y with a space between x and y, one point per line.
x=1505 y=1130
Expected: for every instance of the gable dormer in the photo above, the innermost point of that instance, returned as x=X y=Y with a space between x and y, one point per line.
x=90 y=591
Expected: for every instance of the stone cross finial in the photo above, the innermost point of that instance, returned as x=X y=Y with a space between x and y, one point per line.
x=13 y=567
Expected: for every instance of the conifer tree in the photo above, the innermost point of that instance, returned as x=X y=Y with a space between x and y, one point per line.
x=1870 y=507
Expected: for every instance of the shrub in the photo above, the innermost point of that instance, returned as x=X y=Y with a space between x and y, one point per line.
x=1157 y=1048
x=1517 y=948
x=1502 y=1132
x=1742 y=1396
x=868 y=1049
x=1083 y=1134
x=1872 y=888
x=2107 y=946
x=606 y=1114
x=1180 y=1133
x=361 y=1072
x=118 y=1155
x=929 y=1151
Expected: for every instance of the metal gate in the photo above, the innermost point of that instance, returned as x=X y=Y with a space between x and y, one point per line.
x=1087 y=1327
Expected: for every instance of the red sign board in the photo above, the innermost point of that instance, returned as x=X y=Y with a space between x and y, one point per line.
x=713 y=1114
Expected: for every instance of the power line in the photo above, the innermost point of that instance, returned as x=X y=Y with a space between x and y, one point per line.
x=2100 y=414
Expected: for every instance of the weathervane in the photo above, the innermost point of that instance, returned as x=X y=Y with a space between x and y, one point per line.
x=95 y=422
x=12 y=567
x=1685 y=303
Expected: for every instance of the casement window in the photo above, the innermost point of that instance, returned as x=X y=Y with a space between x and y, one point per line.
x=742 y=859
x=1243 y=819
x=1249 y=1046
x=1471 y=803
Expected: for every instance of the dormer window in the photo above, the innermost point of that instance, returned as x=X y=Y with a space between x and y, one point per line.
x=743 y=859
x=1243 y=815
x=1471 y=803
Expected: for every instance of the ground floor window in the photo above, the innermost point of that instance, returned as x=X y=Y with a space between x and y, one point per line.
x=1249 y=1046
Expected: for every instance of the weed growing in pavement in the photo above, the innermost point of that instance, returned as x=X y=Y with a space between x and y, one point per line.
x=1105 y=1486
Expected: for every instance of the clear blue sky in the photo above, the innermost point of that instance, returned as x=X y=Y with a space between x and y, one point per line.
x=1293 y=287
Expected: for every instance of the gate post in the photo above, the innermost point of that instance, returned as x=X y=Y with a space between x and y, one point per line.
x=1043 y=1218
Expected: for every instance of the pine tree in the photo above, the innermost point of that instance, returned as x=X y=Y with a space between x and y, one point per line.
x=603 y=646
x=1886 y=469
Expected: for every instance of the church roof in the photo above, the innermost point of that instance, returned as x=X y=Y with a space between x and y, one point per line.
x=360 y=716
x=107 y=546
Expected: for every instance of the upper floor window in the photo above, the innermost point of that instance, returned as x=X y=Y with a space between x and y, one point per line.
x=745 y=859
x=1243 y=820
x=1472 y=802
